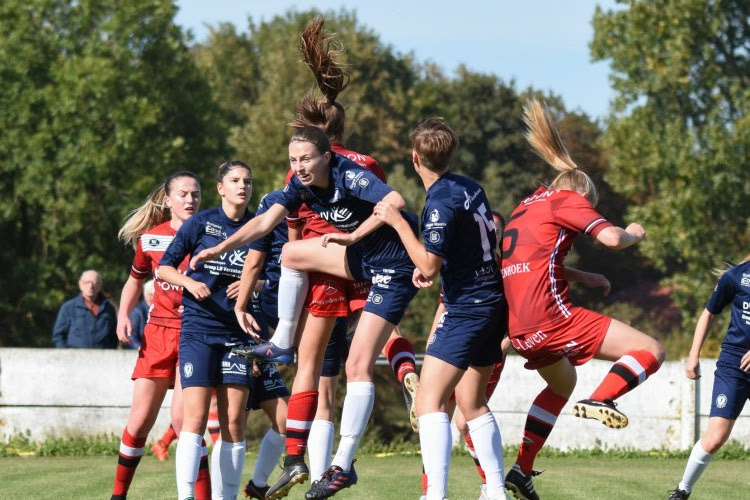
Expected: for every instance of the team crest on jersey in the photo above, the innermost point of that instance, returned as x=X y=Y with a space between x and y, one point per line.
x=364 y=182
x=376 y=298
x=745 y=280
x=434 y=216
x=355 y=177
x=721 y=400
x=188 y=369
x=434 y=236
x=153 y=242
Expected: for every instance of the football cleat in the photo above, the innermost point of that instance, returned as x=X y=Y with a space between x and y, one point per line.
x=521 y=485
x=603 y=411
x=254 y=491
x=160 y=450
x=332 y=481
x=295 y=471
x=678 y=494
x=265 y=352
x=410 y=384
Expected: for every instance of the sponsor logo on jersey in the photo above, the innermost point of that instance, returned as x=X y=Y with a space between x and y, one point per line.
x=187 y=369
x=336 y=215
x=521 y=267
x=721 y=400
x=357 y=158
x=237 y=258
x=354 y=178
x=213 y=229
x=539 y=197
x=470 y=198
x=745 y=280
x=434 y=236
x=434 y=216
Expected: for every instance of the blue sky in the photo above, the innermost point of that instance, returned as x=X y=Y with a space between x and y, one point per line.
x=538 y=43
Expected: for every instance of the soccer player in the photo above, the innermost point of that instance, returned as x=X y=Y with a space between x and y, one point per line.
x=209 y=331
x=732 y=381
x=459 y=243
x=544 y=326
x=330 y=299
x=343 y=193
x=151 y=228
x=263 y=260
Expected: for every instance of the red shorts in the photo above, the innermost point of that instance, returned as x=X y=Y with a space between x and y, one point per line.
x=333 y=297
x=157 y=357
x=577 y=338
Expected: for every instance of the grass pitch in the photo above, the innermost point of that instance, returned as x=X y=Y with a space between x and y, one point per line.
x=391 y=477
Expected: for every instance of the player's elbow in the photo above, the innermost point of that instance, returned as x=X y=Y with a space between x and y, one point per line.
x=614 y=237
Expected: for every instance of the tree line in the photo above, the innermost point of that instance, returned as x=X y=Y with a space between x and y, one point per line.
x=102 y=99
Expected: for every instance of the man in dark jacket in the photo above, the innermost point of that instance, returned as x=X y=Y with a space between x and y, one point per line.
x=88 y=320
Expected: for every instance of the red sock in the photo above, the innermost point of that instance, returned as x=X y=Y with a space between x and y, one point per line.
x=626 y=374
x=470 y=445
x=424 y=482
x=539 y=423
x=202 y=487
x=131 y=451
x=169 y=436
x=300 y=414
x=214 y=429
x=400 y=354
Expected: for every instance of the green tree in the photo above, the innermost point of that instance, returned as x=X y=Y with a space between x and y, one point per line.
x=680 y=132
x=100 y=101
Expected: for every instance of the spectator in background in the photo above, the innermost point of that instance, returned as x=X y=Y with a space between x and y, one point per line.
x=88 y=320
x=139 y=315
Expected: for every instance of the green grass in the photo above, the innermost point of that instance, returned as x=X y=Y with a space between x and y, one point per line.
x=394 y=477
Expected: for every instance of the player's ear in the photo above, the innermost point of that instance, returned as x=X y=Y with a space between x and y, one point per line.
x=415 y=158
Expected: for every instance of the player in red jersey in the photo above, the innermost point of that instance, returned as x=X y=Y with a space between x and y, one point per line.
x=329 y=297
x=544 y=326
x=151 y=229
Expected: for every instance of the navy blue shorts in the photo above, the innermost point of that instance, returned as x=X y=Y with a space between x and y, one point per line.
x=206 y=360
x=269 y=385
x=391 y=289
x=731 y=387
x=337 y=349
x=470 y=336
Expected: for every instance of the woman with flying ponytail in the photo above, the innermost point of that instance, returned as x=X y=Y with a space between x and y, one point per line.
x=545 y=327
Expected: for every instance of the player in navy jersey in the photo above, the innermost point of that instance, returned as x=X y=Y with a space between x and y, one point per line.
x=344 y=194
x=150 y=229
x=459 y=244
x=263 y=263
x=732 y=376
x=210 y=330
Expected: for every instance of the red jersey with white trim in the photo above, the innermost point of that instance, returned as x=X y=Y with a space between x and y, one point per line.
x=167 y=297
x=536 y=240
x=311 y=223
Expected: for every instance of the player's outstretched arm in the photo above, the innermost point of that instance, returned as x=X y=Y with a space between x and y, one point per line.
x=618 y=238
x=255 y=228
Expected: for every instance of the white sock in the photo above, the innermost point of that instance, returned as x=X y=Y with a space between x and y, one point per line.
x=360 y=397
x=187 y=462
x=217 y=487
x=697 y=463
x=231 y=461
x=485 y=434
x=436 y=442
x=292 y=291
x=320 y=447
x=271 y=448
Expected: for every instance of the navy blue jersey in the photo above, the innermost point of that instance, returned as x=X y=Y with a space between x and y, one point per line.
x=271 y=244
x=457 y=226
x=734 y=288
x=206 y=229
x=346 y=203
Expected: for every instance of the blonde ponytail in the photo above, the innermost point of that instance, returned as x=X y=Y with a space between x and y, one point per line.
x=152 y=213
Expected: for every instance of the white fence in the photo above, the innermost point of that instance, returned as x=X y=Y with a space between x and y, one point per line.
x=60 y=391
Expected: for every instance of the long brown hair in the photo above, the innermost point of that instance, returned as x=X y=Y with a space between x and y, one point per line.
x=320 y=51
x=153 y=212
x=726 y=266
x=545 y=140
